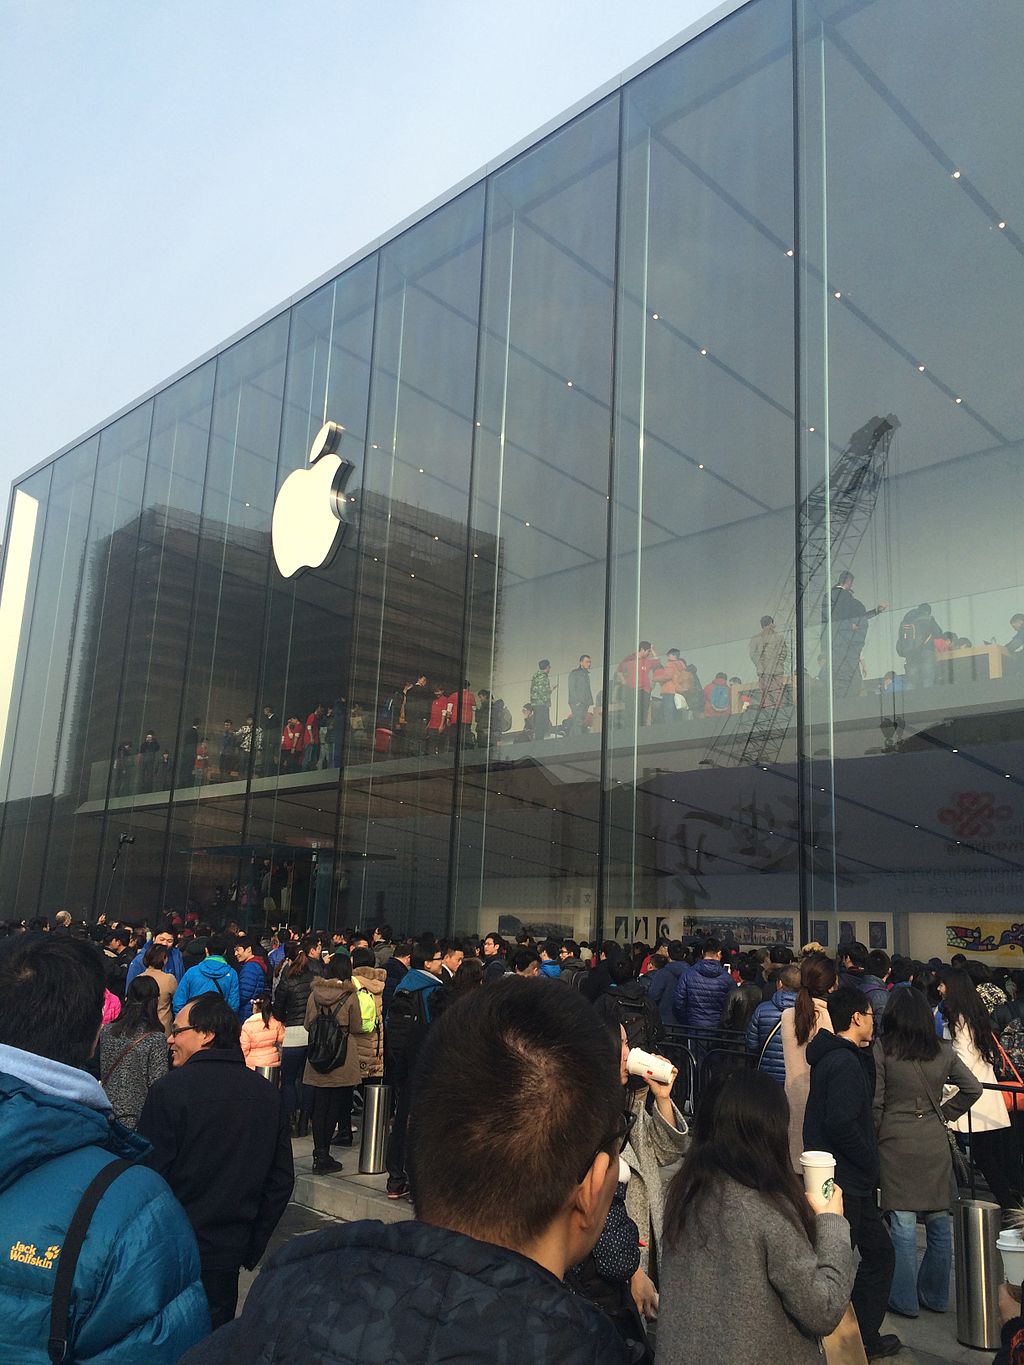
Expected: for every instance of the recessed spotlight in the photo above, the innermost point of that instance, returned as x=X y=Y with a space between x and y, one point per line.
x=421 y=471
x=838 y=294
x=958 y=400
x=700 y=466
x=703 y=350
x=1000 y=226
x=526 y=523
x=568 y=383
x=655 y=316
x=920 y=369
x=437 y=537
x=956 y=175
x=412 y=575
x=810 y=428
x=789 y=252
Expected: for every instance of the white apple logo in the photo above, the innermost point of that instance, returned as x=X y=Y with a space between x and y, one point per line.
x=310 y=509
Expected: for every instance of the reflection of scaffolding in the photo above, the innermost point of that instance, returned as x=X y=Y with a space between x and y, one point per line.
x=834 y=518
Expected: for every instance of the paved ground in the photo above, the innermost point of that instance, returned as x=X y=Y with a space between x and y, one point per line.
x=928 y=1340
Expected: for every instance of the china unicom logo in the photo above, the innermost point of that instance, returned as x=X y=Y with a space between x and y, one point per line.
x=310 y=513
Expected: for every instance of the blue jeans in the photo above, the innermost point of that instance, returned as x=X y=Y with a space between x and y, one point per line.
x=929 y=1285
x=297 y=1098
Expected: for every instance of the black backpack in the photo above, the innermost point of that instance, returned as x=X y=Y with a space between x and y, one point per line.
x=503 y=716
x=328 y=1042
x=640 y=1019
x=407 y=1021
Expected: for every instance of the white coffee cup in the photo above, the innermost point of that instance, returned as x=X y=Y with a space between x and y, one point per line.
x=1010 y=1245
x=647 y=1065
x=819 y=1173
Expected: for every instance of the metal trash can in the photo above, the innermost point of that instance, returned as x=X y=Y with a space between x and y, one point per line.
x=376 y=1123
x=269 y=1073
x=979 y=1273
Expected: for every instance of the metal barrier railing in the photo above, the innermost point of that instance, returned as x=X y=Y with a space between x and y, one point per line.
x=707 y=1052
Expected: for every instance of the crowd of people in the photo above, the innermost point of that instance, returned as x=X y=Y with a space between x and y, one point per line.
x=422 y=717
x=158 y=1078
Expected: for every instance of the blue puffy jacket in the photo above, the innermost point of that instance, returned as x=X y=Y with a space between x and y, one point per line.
x=174 y=965
x=763 y=1025
x=251 y=981
x=212 y=974
x=700 y=994
x=661 y=988
x=137 y=1296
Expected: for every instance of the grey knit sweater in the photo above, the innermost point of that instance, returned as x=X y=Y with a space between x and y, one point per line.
x=745 y=1251
x=128 y=1082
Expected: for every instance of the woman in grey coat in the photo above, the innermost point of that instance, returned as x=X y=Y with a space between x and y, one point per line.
x=911 y=1067
x=133 y=1051
x=740 y=1230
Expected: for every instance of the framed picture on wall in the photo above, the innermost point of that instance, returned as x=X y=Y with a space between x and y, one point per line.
x=819 y=931
x=878 y=934
x=847 y=931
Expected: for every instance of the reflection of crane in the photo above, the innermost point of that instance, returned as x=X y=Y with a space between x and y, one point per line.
x=833 y=520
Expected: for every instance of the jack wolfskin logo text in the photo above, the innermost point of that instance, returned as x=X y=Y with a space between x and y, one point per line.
x=26 y=1254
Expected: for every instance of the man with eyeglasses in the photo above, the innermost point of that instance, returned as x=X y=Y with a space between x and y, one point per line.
x=511 y=1181
x=221 y=1140
x=839 y=1119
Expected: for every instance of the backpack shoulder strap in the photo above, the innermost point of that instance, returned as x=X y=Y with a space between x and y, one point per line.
x=67 y=1263
x=767 y=1041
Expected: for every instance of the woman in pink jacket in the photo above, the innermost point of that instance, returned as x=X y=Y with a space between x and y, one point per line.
x=262 y=1035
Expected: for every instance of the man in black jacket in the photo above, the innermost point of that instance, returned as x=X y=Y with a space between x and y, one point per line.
x=838 y=1119
x=221 y=1141
x=502 y=1213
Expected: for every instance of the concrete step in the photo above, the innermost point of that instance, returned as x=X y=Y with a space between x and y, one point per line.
x=346 y=1194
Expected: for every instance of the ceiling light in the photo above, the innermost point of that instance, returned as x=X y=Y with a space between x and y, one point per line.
x=921 y=369
x=789 y=252
x=1000 y=226
x=956 y=175
x=421 y=471
x=703 y=350
x=700 y=466
x=655 y=316
x=838 y=294
x=568 y=383
x=958 y=400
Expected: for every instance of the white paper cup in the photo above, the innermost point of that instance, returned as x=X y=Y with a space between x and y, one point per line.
x=819 y=1173
x=1011 y=1248
x=647 y=1065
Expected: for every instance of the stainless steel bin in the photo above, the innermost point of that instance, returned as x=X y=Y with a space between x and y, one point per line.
x=979 y=1272
x=376 y=1125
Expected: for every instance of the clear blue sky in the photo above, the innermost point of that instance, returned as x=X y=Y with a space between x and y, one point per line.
x=173 y=169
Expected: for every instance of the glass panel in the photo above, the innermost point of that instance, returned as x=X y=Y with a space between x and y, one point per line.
x=87 y=762
x=226 y=633
x=412 y=512
x=913 y=289
x=698 y=718
x=529 y=799
x=29 y=584
x=308 y=653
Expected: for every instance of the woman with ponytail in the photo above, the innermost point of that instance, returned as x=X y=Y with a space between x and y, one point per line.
x=799 y=1025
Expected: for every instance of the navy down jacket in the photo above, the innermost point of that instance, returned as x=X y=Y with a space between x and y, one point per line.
x=700 y=994
x=409 y=1294
x=764 y=1024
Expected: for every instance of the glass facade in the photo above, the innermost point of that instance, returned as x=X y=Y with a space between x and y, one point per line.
x=677 y=574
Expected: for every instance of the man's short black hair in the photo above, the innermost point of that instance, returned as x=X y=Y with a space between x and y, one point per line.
x=362 y=957
x=843 y=1004
x=571 y=947
x=767 y=621
x=677 y=950
x=879 y=963
x=712 y=945
x=552 y=1102
x=249 y=941
x=117 y=936
x=218 y=945
x=857 y=954
x=211 y=1013
x=51 y=996
x=781 y=954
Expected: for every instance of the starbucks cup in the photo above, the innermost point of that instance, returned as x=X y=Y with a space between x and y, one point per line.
x=647 y=1065
x=1010 y=1245
x=819 y=1173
